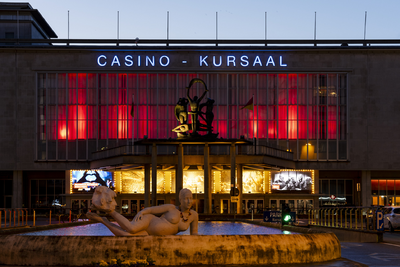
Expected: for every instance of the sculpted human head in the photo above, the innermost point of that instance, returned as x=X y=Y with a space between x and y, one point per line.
x=185 y=198
x=103 y=199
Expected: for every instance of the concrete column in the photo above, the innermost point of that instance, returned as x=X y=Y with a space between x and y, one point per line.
x=233 y=172
x=68 y=189
x=179 y=174
x=207 y=180
x=240 y=186
x=17 y=197
x=154 y=175
x=146 y=185
x=316 y=189
x=366 y=198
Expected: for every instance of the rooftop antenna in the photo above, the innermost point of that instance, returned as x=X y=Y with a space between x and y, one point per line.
x=68 y=24
x=265 y=19
x=167 y=27
x=216 y=27
x=117 y=25
x=365 y=25
x=315 y=28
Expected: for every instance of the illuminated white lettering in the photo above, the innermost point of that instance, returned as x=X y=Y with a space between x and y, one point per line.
x=244 y=61
x=161 y=63
x=138 y=61
x=231 y=59
x=148 y=60
x=220 y=62
x=98 y=61
x=128 y=61
x=203 y=60
x=257 y=60
x=115 y=61
x=270 y=61
x=280 y=62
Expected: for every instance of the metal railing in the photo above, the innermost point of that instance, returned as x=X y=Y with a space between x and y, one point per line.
x=44 y=216
x=356 y=218
x=133 y=43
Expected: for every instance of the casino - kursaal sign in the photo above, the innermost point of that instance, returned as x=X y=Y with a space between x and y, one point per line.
x=201 y=61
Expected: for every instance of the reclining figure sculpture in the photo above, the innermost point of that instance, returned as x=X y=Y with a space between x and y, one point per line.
x=165 y=219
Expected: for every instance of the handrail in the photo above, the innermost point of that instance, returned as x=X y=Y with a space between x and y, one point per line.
x=350 y=218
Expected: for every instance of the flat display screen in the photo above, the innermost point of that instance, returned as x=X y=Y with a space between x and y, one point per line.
x=297 y=181
x=87 y=180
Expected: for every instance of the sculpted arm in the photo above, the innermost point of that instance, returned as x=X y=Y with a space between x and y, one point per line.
x=194 y=225
x=156 y=210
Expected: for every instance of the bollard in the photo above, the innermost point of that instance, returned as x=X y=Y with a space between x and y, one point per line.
x=26 y=217
x=309 y=216
x=22 y=217
x=325 y=217
x=50 y=218
x=5 y=218
x=18 y=211
x=14 y=218
x=345 y=218
x=69 y=215
x=34 y=217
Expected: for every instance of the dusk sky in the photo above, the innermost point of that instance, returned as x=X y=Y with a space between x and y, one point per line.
x=286 y=19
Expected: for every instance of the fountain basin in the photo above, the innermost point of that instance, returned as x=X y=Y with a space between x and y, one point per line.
x=170 y=250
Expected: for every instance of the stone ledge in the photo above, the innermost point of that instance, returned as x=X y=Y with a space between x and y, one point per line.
x=170 y=250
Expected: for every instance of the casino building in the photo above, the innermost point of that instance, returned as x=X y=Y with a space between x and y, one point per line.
x=322 y=129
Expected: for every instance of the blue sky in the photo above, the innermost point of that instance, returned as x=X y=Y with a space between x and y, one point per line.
x=286 y=19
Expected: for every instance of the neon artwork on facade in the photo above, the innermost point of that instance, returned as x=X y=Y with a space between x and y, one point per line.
x=307 y=113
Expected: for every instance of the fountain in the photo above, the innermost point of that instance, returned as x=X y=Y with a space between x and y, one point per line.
x=163 y=246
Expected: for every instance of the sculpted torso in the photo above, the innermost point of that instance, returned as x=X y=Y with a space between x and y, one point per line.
x=169 y=223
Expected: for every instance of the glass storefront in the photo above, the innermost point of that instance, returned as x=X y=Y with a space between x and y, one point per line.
x=385 y=192
x=46 y=192
x=336 y=192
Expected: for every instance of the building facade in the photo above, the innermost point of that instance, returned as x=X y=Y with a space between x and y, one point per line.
x=323 y=130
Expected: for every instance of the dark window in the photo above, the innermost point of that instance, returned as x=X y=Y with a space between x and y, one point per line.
x=9 y=35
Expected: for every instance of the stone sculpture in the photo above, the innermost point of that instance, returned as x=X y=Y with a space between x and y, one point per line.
x=166 y=219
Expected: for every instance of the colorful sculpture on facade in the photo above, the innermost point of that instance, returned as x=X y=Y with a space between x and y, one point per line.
x=166 y=219
x=190 y=130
